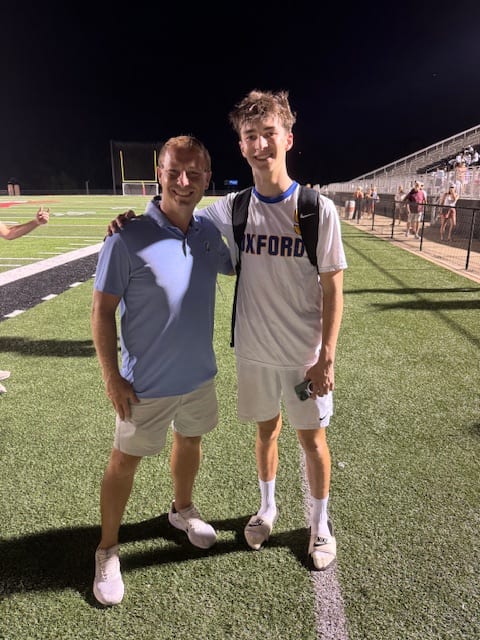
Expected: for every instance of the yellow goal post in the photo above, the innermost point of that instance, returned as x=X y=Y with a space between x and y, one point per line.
x=134 y=167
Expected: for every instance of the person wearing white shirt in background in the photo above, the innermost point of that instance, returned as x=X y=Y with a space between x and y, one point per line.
x=448 y=214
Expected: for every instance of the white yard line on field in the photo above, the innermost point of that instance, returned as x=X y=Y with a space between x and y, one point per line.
x=331 y=622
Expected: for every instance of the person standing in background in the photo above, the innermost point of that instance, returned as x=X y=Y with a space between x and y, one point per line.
x=375 y=200
x=399 y=204
x=13 y=187
x=358 y=197
x=415 y=201
x=13 y=231
x=448 y=212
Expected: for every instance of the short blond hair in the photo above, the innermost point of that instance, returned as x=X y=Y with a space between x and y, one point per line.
x=185 y=142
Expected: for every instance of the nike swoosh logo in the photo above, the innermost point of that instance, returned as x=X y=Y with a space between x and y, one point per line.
x=320 y=542
x=257 y=523
x=306 y=215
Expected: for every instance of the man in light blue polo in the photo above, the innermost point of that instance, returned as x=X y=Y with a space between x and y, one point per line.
x=161 y=272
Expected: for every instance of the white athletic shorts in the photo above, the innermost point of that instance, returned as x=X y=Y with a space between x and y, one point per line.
x=261 y=390
x=145 y=432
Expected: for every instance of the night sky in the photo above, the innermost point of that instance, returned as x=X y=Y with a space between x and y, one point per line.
x=369 y=84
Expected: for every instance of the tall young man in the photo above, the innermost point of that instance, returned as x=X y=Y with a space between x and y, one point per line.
x=288 y=316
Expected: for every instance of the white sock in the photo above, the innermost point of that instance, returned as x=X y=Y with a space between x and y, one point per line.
x=268 y=507
x=319 y=517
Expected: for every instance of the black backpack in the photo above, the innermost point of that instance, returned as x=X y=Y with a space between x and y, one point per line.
x=308 y=207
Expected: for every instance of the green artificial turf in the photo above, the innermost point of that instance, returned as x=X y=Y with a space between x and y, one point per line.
x=405 y=444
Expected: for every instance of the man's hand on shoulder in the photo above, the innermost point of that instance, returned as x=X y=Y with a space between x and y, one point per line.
x=118 y=223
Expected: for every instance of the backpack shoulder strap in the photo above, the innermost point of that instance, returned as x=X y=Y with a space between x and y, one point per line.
x=308 y=212
x=239 y=216
x=239 y=222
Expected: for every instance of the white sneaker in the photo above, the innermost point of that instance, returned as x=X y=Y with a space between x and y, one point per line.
x=323 y=550
x=200 y=533
x=417 y=237
x=4 y=375
x=258 y=530
x=108 y=587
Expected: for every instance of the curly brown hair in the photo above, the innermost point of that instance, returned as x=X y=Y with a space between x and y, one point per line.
x=262 y=104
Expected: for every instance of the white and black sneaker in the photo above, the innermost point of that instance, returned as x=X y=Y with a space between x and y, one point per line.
x=258 y=530
x=200 y=533
x=323 y=550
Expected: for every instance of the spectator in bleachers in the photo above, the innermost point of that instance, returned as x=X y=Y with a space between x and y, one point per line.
x=448 y=214
x=439 y=177
x=461 y=176
x=467 y=157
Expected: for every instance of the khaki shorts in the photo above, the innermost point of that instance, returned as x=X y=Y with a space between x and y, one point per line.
x=261 y=390
x=145 y=432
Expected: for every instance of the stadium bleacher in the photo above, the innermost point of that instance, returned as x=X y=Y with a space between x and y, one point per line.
x=405 y=170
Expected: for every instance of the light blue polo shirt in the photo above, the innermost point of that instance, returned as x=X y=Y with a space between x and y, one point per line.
x=167 y=282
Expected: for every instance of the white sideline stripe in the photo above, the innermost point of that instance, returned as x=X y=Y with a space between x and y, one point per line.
x=17 y=312
x=50 y=296
x=75 y=284
x=331 y=622
x=22 y=259
x=48 y=263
